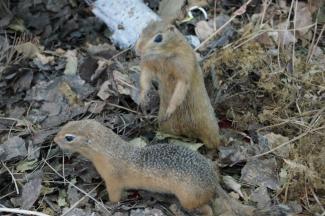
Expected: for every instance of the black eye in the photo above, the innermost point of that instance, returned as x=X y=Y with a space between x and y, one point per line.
x=158 y=38
x=69 y=137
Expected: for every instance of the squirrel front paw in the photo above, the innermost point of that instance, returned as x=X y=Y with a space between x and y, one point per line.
x=144 y=102
x=169 y=112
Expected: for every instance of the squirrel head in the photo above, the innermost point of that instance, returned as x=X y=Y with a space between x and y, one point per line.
x=159 y=38
x=80 y=135
x=73 y=136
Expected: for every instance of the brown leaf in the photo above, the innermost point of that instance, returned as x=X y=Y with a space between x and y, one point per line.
x=31 y=190
x=203 y=30
x=303 y=18
x=12 y=148
x=170 y=9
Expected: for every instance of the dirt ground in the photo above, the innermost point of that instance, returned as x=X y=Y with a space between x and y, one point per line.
x=264 y=72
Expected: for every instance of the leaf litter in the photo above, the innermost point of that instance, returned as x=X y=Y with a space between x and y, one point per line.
x=264 y=73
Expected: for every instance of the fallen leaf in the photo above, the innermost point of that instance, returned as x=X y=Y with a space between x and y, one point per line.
x=101 y=66
x=61 y=199
x=261 y=173
x=95 y=49
x=261 y=197
x=17 y=24
x=233 y=184
x=170 y=9
x=70 y=95
x=123 y=82
x=31 y=190
x=275 y=140
x=47 y=190
x=95 y=106
x=14 y=147
x=24 y=82
x=314 y=5
x=303 y=18
x=203 y=30
x=161 y=136
x=26 y=165
x=283 y=37
x=28 y=49
x=139 y=142
x=104 y=91
x=72 y=62
x=298 y=167
x=189 y=145
x=199 y=3
x=43 y=59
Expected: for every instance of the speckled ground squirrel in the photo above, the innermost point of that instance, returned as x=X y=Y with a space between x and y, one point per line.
x=161 y=168
x=185 y=107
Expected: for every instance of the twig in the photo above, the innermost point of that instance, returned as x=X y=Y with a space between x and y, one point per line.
x=265 y=4
x=290 y=141
x=12 y=177
x=238 y=12
x=318 y=39
x=22 y=211
x=311 y=47
x=79 y=189
x=260 y=32
x=294 y=35
x=317 y=200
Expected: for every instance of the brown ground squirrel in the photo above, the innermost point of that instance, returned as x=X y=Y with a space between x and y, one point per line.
x=185 y=107
x=161 y=168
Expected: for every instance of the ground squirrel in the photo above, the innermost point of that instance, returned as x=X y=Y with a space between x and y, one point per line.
x=163 y=168
x=185 y=107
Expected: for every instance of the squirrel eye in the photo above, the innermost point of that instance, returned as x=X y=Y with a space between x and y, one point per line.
x=158 y=38
x=69 y=137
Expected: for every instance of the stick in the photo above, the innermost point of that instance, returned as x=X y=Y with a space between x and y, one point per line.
x=22 y=211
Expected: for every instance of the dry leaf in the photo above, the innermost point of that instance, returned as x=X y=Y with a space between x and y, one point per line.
x=138 y=142
x=14 y=147
x=203 y=30
x=31 y=190
x=94 y=49
x=189 y=145
x=275 y=140
x=104 y=91
x=123 y=82
x=283 y=37
x=170 y=9
x=199 y=3
x=303 y=18
x=72 y=62
x=44 y=59
x=28 y=49
x=71 y=96
x=232 y=184
x=314 y=5
x=297 y=167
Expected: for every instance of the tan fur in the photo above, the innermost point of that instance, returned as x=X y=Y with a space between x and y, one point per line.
x=189 y=176
x=185 y=107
